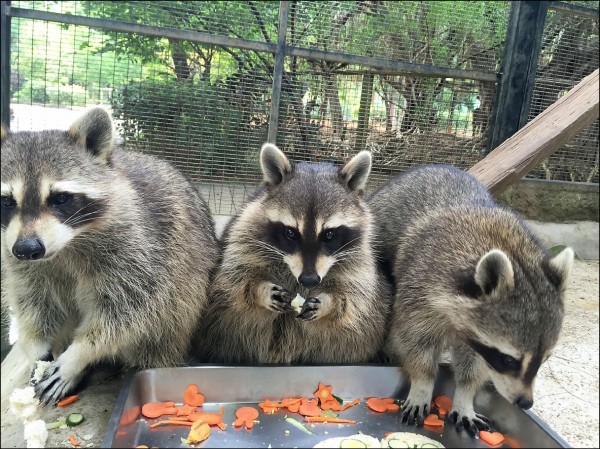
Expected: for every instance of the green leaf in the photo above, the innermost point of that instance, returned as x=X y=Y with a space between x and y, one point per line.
x=337 y=398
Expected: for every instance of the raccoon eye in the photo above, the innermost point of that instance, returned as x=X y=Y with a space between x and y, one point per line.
x=8 y=202
x=508 y=361
x=290 y=234
x=329 y=235
x=58 y=199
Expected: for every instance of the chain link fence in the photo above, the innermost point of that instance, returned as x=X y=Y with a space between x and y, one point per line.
x=195 y=82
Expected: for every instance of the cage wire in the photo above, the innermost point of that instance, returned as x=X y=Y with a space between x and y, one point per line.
x=569 y=53
x=206 y=108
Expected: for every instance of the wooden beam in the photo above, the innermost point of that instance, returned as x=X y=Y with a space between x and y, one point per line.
x=541 y=137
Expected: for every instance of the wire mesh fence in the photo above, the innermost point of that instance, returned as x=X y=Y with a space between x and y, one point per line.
x=206 y=106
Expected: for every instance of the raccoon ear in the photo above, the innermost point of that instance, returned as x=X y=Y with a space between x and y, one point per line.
x=558 y=268
x=94 y=131
x=356 y=171
x=275 y=166
x=494 y=272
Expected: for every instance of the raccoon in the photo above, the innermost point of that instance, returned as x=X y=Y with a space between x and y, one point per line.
x=107 y=255
x=471 y=277
x=306 y=231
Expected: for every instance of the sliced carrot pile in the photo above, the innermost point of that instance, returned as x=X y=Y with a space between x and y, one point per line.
x=331 y=404
x=269 y=406
x=68 y=400
x=212 y=419
x=245 y=415
x=192 y=396
x=73 y=441
x=382 y=405
x=325 y=419
x=324 y=392
x=491 y=438
x=310 y=407
x=433 y=420
x=443 y=402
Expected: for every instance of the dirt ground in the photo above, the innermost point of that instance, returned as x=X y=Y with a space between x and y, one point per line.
x=566 y=391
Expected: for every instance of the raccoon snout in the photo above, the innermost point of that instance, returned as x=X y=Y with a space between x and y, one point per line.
x=524 y=403
x=309 y=280
x=29 y=249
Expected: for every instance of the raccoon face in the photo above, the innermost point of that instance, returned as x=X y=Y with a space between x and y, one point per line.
x=314 y=214
x=514 y=321
x=49 y=186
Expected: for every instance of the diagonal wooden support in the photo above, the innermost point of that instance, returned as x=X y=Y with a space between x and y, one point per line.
x=541 y=137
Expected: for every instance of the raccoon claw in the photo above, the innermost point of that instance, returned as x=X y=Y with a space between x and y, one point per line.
x=52 y=387
x=414 y=414
x=471 y=424
x=280 y=299
x=309 y=309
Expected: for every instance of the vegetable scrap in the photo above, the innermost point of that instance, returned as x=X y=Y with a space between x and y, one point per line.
x=199 y=432
x=73 y=441
x=433 y=421
x=382 y=405
x=68 y=400
x=310 y=407
x=212 y=419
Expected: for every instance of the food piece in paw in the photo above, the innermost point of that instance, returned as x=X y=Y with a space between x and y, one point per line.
x=298 y=302
x=353 y=441
x=406 y=439
x=38 y=372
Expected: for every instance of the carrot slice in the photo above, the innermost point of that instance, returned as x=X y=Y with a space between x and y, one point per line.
x=310 y=407
x=175 y=422
x=192 y=396
x=382 y=405
x=294 y=408
x=170 y=411
x=245 y=415
x=324 y=419
x=442 y=412
x=68 y=400
x=331 y=404
x=185 y=410
x=212 y=419
x=324 y=392
x=269 y=406
x=433 y=420
x=443 y=401
x=350 y=404
x=73 y=441
x=155 y=409
x=491 y=438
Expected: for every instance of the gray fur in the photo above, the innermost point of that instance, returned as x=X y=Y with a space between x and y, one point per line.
x=241 y=327
x=465 y=270
x=132 y=283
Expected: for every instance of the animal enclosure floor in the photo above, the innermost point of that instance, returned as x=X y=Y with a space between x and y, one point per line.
x=566 y=392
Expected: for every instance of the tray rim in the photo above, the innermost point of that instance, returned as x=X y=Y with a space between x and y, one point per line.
x=130 y=375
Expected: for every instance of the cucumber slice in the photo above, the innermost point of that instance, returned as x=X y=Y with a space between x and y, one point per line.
x=429 y=445
x=74 y=419
x=351 y=443
x=398 y=443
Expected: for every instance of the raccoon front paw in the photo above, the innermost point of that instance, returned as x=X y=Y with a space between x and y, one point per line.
x=414 y=413
x=310 y=309
x=281 y=299
x=471 y=422
x=53 y=386
x=39 y=368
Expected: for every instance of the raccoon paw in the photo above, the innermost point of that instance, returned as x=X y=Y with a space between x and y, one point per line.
x=309 y=310
x=281 y=299
x=472 y=424
x=414 y=413
x=39 y=365
x=53 y=387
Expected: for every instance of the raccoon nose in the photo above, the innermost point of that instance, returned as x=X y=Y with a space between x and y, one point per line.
x=309 y=280
x=29 y=249
x=524 y=403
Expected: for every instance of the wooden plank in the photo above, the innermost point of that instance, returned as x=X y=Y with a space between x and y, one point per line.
x=541 y=137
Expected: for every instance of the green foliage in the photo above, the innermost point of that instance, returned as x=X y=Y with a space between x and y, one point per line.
x=188 y=117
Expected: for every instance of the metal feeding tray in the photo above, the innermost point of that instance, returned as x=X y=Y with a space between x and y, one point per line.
x=233 y=387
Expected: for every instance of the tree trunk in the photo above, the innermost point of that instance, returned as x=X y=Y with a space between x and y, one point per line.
x=335 y=108
x=364 y=110
x=180 y=61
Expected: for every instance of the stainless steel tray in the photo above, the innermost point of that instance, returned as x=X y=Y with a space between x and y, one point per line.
x=233 y=387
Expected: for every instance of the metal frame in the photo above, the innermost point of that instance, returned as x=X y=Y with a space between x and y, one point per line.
x=5 y=63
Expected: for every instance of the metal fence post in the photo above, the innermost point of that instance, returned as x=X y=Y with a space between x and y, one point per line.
x=519 y=66
x=284 y=7
x=5 y=63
